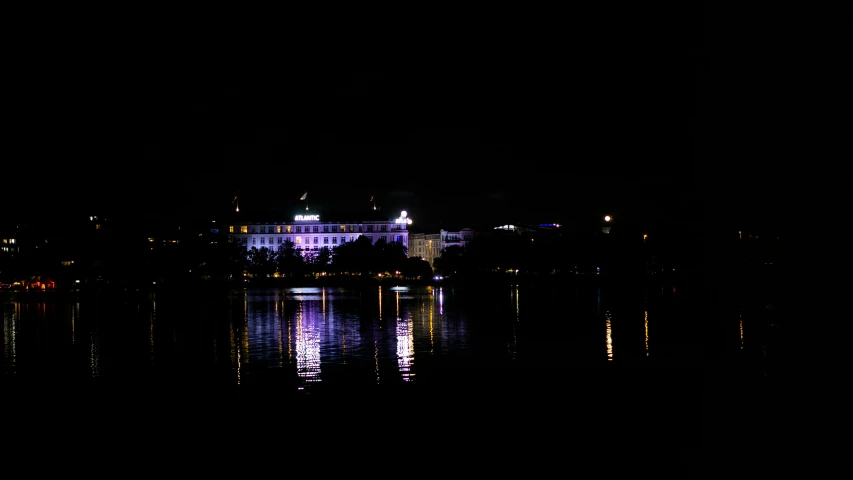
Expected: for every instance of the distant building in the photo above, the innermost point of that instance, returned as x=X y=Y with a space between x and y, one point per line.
x=430 y=246
x=427 y=246
x=460 y=238
x=9 y=244
x=519 y=229
x=310 y=234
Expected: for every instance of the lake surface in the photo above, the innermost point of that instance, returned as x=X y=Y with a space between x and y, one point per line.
x=503 y=367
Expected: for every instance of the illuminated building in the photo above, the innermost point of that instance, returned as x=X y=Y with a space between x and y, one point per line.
x=425 y=245
x=429 y=246
x=460 y=238
x=9 y=245
x=310 y=234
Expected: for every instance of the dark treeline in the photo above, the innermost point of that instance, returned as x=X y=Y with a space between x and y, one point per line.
x=121 y=254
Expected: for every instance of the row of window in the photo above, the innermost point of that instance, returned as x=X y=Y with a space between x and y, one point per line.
x=308 y=228
x=306 y=240
x=297 y=240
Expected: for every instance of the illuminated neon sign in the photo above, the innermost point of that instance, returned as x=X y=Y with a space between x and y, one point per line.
x=307 y=218
x=403 y=219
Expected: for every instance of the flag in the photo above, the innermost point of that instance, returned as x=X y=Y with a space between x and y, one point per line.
x=371 y=198
x=304 y=196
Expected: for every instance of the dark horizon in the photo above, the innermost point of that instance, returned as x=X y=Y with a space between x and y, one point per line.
x=639 y=201
x=525 y=128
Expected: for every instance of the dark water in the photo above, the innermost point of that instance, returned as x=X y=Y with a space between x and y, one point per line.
x=609 y=377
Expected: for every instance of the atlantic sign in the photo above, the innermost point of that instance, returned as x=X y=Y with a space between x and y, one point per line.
x=307 y=218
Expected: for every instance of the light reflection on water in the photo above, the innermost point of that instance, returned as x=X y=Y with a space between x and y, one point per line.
x=740 y=327
x=608 y=335
x=94 y=355
x=308 y=338
x=301 y=337
x=11 y=314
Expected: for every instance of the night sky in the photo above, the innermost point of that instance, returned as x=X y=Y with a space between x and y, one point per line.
x=530 y=123
x=693 y=114
x=446 y=142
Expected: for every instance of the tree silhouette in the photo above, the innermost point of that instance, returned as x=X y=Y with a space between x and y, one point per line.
x=451 y=261
x=224 y=259
x=416 y=268
x=290 y=261
x=390 y=256
x=262 y=262
x=322 y=260
x=356 y=257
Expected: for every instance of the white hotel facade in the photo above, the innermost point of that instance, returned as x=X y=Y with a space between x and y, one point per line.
x=309 y=234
